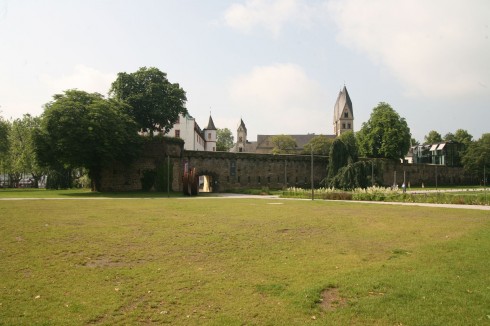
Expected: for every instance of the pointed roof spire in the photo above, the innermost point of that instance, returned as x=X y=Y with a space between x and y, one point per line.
x=343 y=101
x=242 y=125
x=210 y=123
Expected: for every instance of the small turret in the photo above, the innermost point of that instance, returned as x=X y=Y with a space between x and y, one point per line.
x=210 y=135
x=241 y=136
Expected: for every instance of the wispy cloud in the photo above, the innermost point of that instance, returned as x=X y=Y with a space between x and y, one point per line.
x=271 y=15
x=279 y=97
x=435 y=48
x=84 y=78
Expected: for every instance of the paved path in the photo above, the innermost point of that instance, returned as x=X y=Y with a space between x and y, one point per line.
x=268 y=197
x=224 y=195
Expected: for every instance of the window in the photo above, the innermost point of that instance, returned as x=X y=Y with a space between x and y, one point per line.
x=348 y=126
x=343 y=126
x=209 y=136
x=177 y=133
x=214 y=149
x=240 y=149
x=240 y=139
x=346 y=114
x=258 y=179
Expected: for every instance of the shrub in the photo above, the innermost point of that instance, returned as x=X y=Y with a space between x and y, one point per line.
x=148 y=180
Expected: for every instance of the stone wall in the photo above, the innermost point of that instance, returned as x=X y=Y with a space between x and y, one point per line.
x=232 y=171
x=429 y=175
x=120 y=176
x=247 y=170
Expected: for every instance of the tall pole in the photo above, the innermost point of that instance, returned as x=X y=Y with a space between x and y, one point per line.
x=285 y=175
x=168 y=175
x=372 y=173
x=436 y=176
x=312 y=182
x=485 y=179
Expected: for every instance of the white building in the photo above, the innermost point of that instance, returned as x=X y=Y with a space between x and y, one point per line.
x=194 y=138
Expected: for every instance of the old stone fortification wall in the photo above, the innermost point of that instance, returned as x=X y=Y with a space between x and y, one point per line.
x=428 y=174
x=121 y=176
x=231 y=171
x=247 y=170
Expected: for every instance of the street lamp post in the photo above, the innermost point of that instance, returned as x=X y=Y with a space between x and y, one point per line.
x=485 y=179
x=312 y=182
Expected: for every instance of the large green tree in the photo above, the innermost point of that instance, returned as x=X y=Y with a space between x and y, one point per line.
x=385 y=134
x=4 y=146
x=154 y=102
x=224 y=139
x=462 y=136
x=319 y=145
x=477 y=156
x=350 y=141
x=79 y=129
x=344 y=171
x=433 y=137
x=23 y=159
x=283 y=144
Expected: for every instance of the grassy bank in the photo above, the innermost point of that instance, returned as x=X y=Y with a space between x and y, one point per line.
x=447 y=196
x=235 y=262
x=80 y=193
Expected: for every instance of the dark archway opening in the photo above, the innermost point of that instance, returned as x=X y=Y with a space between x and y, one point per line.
x=208 y=182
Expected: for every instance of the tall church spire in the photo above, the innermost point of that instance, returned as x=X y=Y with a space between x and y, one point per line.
x=343 y=114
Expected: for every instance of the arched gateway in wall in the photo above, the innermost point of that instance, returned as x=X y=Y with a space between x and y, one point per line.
x=231 y=171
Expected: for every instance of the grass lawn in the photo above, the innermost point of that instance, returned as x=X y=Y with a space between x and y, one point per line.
x=211 y=261
x=79 y=193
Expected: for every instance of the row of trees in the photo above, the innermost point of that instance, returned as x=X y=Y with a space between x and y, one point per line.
x=80 y=131
x=385 y=135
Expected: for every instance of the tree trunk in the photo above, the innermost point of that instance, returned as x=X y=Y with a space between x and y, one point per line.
x=94 y=174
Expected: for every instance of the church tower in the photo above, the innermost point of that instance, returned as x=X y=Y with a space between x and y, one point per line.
x=343 y=114
x=210 y=135
x=241 y=136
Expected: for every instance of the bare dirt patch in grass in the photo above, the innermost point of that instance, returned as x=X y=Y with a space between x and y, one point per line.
x=103 y=262
x=330 y=299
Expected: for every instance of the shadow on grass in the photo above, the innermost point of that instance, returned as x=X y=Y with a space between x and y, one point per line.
x=132 y=194
x=81 y=193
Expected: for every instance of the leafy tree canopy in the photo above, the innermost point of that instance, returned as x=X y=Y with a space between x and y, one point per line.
x=449 y=137
x=79 y=129
x=23 y=158
x=4 y=131
x=385 y=134
x=283 y=144
x=224 y=139
x=477 y=155
x=154 y=102
x=462 y=136
x=320 y=145
x=350 y=141
x=433 y=137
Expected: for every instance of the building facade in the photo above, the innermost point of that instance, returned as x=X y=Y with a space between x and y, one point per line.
x=195 y=138
x=444 y=153
x=343 y=122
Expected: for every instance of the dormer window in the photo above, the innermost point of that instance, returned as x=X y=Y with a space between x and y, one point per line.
x=346 y=114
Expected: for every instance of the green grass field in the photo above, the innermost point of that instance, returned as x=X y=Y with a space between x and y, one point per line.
x=217 y=261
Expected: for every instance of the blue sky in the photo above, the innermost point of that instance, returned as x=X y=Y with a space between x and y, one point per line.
x=278 y=64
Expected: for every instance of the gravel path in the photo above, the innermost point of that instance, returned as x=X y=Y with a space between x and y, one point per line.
x=268 y=197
